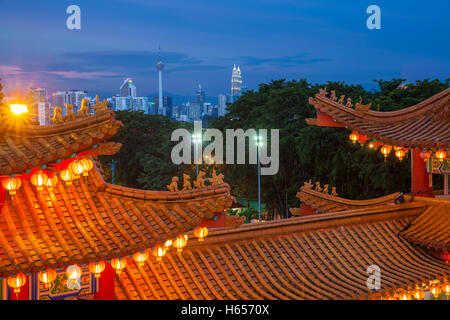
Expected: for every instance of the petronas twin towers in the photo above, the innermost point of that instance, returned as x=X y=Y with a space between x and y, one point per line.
x=236 y=82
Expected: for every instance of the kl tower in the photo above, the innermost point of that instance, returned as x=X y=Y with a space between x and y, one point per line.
x=160 y=67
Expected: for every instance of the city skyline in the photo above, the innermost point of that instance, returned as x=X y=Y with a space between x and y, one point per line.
x=268 y=40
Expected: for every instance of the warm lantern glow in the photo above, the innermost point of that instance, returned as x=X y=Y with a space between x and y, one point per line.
x=201 y=233
x=140 y=258
x=87 y=165
x=400 y=154
x=12 y=184
x=73 y=272
x=168 y=243
x=441 y=154
x=47 y=277
x=435 y=290
x=371 y=145
x=16 y=282
x=97 y=268
x=446 y=288
x=385 y=150
x=67 y=176
x=39 y=180
x=159 y=252
x=18 y=108
x=180 y=243
x=353 y=137
x=119 y=264
x=52 y=182
x=76 y=167
x=418 y=294
x=425 y=154
x=405 y=296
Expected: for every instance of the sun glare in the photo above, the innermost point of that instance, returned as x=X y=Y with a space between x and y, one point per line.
x=18 y=108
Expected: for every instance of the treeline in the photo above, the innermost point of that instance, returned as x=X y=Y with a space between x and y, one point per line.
x=306 y=152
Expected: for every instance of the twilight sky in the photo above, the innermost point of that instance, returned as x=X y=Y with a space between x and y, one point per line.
x=200 y=41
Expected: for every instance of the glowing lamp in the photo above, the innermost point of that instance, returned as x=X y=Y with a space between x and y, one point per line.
x=400 y=154
x=446 y=288
x=353 y=137
x=180 y=243
x=17 y=281
x=39 y=180
x=435 y=290
x=18 y=108
x=385 y=150
x=418 y=294
x=87 y=165
x=12 y=184
x=201 y=233
x=52 y=182
x=159 y=252
x=441 y=154
x=168 y=243
x=67 y=176
x=140 y=258
x=76 y=167
x=47 y=277
x=97 y=268
x=73 y=273
x=425 y=154
x=118 y=264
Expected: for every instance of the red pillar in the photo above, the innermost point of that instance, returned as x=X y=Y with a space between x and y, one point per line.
x=105 y=284
x=419 y=176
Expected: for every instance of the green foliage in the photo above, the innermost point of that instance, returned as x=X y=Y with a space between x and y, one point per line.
x=248 y=213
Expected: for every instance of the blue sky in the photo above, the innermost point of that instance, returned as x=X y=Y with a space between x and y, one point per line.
x=200 y=41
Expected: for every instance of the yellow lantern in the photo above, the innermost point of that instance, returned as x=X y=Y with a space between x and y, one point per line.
x=140 y=258
x=353 y=137
x=12 y=184
x=435 y=290
x=201 y=233
x=67 y=176
x=39 y=180
x=97 y=268
x=76 y=167
x=159 y=252
x=446 y=288
x=52 y=182
x=17 y=281
x=385 y=150
x=441 y=154
x=73 y=272
x=118 y=264
x=47 y=277
x=418 y=294
x=168 y=243
x=400 y=154
x=87 y=165
x=180 y=243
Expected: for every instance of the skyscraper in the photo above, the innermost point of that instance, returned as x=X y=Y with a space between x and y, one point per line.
x=128 y=89
x=36 y=95
x=222 y=102
x=160 y=67
x=200 y=95
x=167 y=106
x=73 y=97
x=236 y=82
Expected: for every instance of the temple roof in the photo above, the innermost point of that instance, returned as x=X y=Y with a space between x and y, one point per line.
x=314 y=257
x=91 y=220
x=28 y=146
x=425 y=125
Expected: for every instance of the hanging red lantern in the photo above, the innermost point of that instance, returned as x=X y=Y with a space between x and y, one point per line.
x=39 y=180
x=87 y=164
x=17 y=281
x=425 y=154
x=140 y=258
x=353 y=137
x=12 y=184
x=47 y=277
x=180 y=243
x=405 y=296
x=441 y=154
x=435 y=290
x=159 y=252
x=385 y=150
x=418 y=294
x=201 y=233
x=118 y=264
x=76 y=167
x=52 y=182
x=67 y=176
x=97 y=268
x=400 y=154
x=446 y=288
x=168 y=243
x=73 y=272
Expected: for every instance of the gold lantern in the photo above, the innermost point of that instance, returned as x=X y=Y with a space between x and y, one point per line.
x=17 y=281
x=87 y=165
x=67 y=176
x=159 y=252
x=12 y=184
x=201 y=233
x=441 y=154
x=97 y=268
x=47 y=277
x=180 y=243
x=140 y=258
x=39 y=180
x=118 y=264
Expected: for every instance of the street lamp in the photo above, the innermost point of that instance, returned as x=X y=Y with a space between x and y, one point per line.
x=196 y=140
x=258 y=142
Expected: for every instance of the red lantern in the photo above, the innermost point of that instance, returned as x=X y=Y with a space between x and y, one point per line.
x=425 y=154
x=159 y=252
x=12 y=184
x=118 y=264
x=418 y=294
x=67 y=176
x=52 y=182
x=140 y=258
x=76 y=167
x=400 y=154
x=97 y=268
x=201 y=233
x=17 y=281
x=435 y=290
x=87 y=166
x=353 y=137
x=47 y=277
x=180 y=243
x=385 y=150
x=441 y=154
x=39 y=180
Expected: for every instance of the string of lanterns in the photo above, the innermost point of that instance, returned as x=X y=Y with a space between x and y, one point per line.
x=435 y=288
x=400 y=152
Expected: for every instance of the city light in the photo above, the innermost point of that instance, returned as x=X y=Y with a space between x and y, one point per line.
x=18 y=108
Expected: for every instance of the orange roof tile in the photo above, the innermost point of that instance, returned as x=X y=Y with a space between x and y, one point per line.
x=315 y=257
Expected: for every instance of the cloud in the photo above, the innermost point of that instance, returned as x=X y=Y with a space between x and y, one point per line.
x=83 y=75
x=280 y=61
x=10 y=70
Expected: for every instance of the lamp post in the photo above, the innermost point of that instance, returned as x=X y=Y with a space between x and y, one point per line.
x=197 y=140
x=258 y=143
